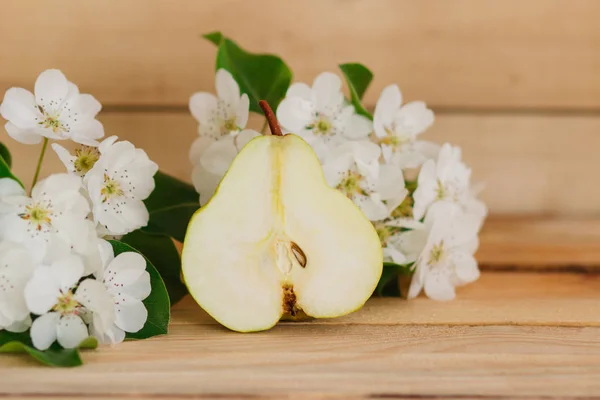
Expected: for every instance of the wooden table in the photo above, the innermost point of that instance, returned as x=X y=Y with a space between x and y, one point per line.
x=529 y=327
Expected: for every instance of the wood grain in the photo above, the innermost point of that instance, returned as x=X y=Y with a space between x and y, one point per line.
x=369 y=361
x=530 y=164
x=498 y=298
x=390 y=349
x=540 y=244
x=464 y=53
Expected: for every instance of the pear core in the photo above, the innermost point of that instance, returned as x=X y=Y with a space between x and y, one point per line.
x=276 y=241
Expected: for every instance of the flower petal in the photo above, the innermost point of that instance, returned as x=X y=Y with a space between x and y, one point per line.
x=19 y=326
x=425 y=193
x=429 y=150
x=132 y=215
x=336 y=167
x=394 y=254
x=25 y=136
x=88 y=105
x=20 y=109
x=438 y=287
x=10 y=187
x=242 y=138
x=203 y=106
x=107 y=143
x=137 y=177
x=51 y=89
x=65 y=157
x=295 y=114
x=227 y=88
x=131 y=313
x=366 y=151
x=139 y=289
x=86 y=134
x=412 y=243
x=78 y=232
x=370 y=171
x=418 y=280
x=107 y=254
x=242 y=111
x=358 y=127
x=391 y=183
x=219 y=155
x=44 y=330
x=448 y=157
x=16 y=268
x=71 y=331
x=64 y=191
x=113 y=336
x=373 y=208
x=465 y=266
x=205 y=182
x=413 y=118
x=388 y=103
x=94 y=296
x=301 y=90
x=42 y=291
x=327 y=91
x=124 y=270
x=198 y=147
x=67 y=271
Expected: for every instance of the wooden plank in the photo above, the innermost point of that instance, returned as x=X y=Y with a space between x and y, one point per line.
x=437 y=349
x=530 y=163
x=464 y=53
x=498 y=298
x=540 y=244
x=374 y=362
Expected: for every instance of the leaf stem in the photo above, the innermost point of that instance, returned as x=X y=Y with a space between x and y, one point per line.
x=271 y=119
x=39 y=164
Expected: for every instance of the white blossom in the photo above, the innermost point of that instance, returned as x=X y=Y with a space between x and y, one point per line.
x=128 y=283
x=224 y=115
x=85 y=156
x=391 y=232
x=63 y=304
x=396 y=128
x=443 y=247
x=56 y=111
x=16 y=268
x=117 y=184
x=320 y=115
x=212 y=162
x=353 y=168
x=446 y=181
x=49 y=223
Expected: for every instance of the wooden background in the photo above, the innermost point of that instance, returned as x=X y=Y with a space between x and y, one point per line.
x=516 y=83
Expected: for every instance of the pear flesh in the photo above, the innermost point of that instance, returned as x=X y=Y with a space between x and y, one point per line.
x=275 y=241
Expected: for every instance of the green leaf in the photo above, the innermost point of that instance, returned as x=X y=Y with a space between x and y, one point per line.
x=163 y=254
x=55 y=356
x=260 y=76
x=157 y=303
x=214 y=37
x=388 y=283
x=171 y=205
x=5 y=154
x=5 y=167
x=358 y=77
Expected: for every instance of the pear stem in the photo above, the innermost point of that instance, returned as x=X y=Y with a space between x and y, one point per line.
x=271 y=119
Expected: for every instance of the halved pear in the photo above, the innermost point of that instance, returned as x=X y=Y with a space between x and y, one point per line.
x=276 y=241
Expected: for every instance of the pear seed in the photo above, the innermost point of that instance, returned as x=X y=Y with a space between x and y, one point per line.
x=299 y=254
